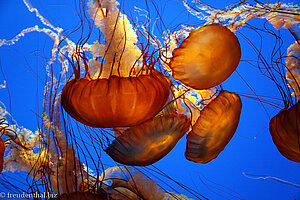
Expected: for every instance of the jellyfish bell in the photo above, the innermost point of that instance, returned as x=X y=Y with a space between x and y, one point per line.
x=2 y=150
x=214 y=128
x=116 y=101
x=147 y=143
x=285 y=131
x=207 y=57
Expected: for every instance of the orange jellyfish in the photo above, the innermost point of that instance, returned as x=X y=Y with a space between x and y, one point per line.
x=147 y=143
x=115 y=101
x=2 y=150
x=214 y=128
x=124 y=89
x=285 y=131
x=207 y=57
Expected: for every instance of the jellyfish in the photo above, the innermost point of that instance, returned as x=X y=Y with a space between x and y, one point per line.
x=207 y=57
x=214 y=128
x=130 y=183
x=284 y=127
x=2 y=150
x=285 y=131
x=116 y=101
x=147 y=143
x=120 y=94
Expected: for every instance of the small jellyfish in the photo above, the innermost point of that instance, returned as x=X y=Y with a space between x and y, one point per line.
x=285 y=131
x=147 y=143
x=207 y=57
x=2 y=150
x=115 y=101
x=129 y=183
x=214 y=128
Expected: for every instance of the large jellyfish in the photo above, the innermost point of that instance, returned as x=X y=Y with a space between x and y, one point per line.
x=138 y=44
x=207 y=57
x=126 y=89
x=116 y=101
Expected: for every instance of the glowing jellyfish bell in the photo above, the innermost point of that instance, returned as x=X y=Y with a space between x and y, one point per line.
x=285 y=131
x=147 y=143
x=207 y=57
x=116 y=101
x=126 y=90
x=214 y=128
